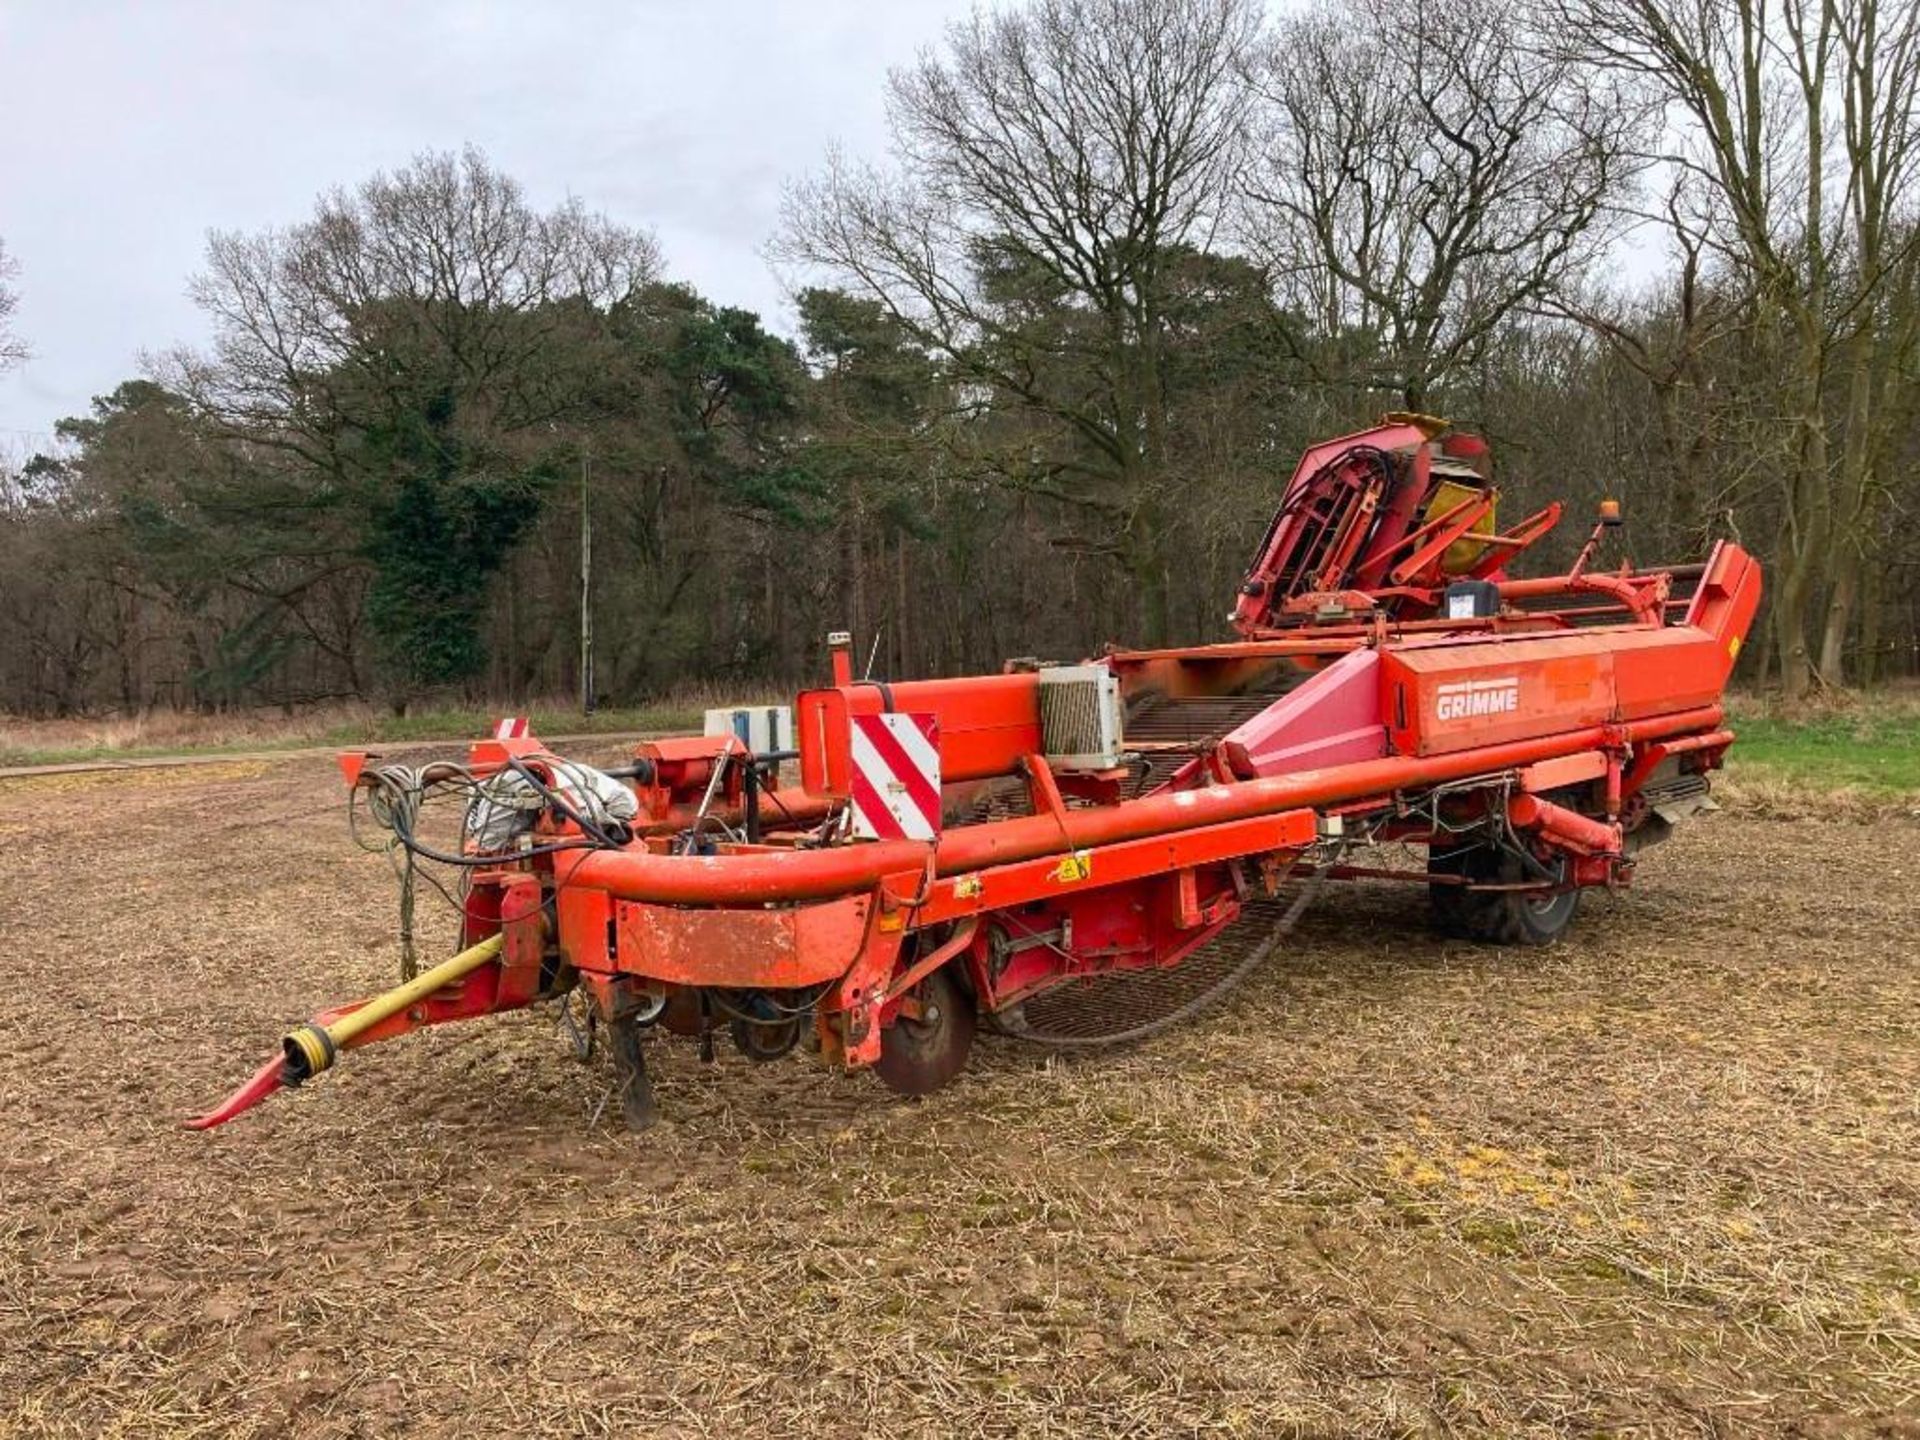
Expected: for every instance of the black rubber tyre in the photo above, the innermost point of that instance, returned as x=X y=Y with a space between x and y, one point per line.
x=764 y=1043
x=1521 y=917
x=1496 y=917
x=1447 y=905
x=919 y=1056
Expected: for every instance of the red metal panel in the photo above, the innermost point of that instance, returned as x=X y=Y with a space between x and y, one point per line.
x=746 y=948
x=523 y=919
x=1129 y=927
x=1447 y=698
x=1655 y=671
x=1329 y=719
x=1726 y=599
x=987 y=723
x=1563 y=770
x=484 y=757
x=583 y=915
x=1444 y=697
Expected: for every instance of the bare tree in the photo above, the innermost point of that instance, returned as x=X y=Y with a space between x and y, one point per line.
x=1425 y=173
x=1796 y=123
x=1045 y=174
x=12 y=348
x=417 y=351
x=440 y=274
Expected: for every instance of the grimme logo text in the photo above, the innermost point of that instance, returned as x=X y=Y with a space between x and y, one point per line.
x=1471 y=699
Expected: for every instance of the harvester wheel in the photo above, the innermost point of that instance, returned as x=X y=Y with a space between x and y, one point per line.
x=1495 y=917
x=763 y=1042
x=921 y=1052
x=1527 y=917
x=630 y=1073
x=1447 y=904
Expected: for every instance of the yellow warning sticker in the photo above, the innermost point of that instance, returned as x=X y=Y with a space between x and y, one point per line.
x=1733 y=648
x=1075 y=867
x=968 y=887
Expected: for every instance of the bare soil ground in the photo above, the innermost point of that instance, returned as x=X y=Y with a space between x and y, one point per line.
x=1663 y=1178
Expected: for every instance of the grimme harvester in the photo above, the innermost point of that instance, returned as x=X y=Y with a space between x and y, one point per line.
x=1086 y=853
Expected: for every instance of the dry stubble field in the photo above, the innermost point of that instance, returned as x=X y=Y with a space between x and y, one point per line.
x=1661 y=1179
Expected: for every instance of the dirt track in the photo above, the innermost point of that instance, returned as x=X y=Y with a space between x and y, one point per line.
x=1664 y=1178
x=573 y=744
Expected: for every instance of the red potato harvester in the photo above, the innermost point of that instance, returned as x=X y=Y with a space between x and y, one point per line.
x=1087 y=853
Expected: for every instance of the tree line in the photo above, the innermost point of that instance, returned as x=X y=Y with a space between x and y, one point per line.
x=1055 y=354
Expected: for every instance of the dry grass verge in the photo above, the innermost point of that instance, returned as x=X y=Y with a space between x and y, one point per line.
x=1771 y=796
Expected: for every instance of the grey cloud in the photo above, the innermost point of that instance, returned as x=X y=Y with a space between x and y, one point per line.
x=130 y=129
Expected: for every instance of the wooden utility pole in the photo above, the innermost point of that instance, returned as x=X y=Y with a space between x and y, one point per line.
x=586 y=585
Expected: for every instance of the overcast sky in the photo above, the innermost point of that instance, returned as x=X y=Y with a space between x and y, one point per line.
x=128 y=130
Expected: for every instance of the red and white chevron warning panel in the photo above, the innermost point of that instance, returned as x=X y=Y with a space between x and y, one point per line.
x=896 y=777
x=511 y=727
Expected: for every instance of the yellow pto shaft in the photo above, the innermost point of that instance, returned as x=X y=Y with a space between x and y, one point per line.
x=312 y=1048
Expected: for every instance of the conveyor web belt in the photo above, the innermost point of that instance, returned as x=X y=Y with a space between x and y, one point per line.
x=1191 y=724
